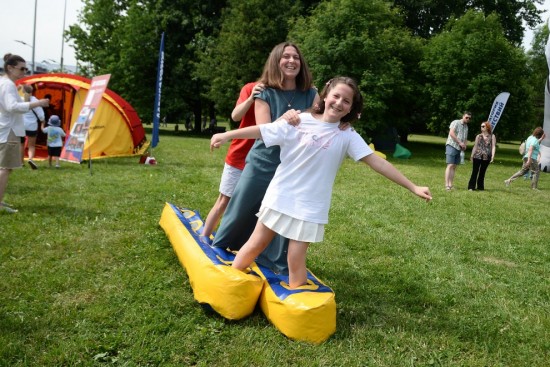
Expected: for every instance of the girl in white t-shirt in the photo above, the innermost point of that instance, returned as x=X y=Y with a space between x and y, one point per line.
x=297 y=200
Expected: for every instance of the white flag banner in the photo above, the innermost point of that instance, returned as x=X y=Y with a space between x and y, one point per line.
x=497 y=109
x=545 y=145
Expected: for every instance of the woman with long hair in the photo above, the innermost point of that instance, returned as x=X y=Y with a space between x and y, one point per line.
x=288 y=86
x=12 y=129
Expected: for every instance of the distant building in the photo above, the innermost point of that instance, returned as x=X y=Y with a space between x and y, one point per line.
x=45 y=68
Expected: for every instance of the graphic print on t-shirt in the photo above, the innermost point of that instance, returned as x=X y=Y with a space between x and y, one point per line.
x=310 y=138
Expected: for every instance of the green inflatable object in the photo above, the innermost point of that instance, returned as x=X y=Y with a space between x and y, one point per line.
x=401 y=152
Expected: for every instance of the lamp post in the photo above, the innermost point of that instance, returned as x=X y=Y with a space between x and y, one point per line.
x=52 y=64
x=32 y=47
x=34 y=36
x=62 y=34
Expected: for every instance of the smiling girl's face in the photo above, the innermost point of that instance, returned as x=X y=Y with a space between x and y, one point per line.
x=338 y=102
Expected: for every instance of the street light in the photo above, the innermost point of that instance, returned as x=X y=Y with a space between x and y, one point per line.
x=32 y=47
x=33 y=37
x=23 y=43
x=52 y=64
x=63 y=34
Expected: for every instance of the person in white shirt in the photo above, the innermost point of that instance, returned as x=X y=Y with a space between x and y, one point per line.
x=297 y=200
x=12 y=108
x=31 y=120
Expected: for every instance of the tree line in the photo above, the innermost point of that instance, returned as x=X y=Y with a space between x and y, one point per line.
x=419 y=63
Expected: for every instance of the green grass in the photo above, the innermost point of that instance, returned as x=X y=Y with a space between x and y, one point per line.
x=90 y=279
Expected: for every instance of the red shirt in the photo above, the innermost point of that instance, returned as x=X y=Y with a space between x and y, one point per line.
x=238 y=149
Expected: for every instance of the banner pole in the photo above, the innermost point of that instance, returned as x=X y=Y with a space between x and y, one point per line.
x=89 y=152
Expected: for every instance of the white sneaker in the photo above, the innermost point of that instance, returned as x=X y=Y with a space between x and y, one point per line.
x=7 y=209
x=507 y=183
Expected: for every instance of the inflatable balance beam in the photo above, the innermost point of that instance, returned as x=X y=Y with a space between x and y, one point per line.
x=307 y=313
x=228 y=291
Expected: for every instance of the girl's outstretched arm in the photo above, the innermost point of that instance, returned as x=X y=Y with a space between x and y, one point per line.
x=251 y=132
x=388 y=170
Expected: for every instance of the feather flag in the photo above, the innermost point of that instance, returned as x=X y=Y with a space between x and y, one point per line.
x=156 y=113
x=497 y=109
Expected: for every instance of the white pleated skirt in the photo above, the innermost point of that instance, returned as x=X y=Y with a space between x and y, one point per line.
x=291 y=228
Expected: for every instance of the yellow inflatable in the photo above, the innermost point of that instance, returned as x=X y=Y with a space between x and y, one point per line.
x=230 y=292
x=307 y=313
x=380 y=154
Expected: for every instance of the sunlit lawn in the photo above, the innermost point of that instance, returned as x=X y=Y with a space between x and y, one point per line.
x=89 y=278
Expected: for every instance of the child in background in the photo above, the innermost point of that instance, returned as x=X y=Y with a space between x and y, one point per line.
x=55 y=142
x=31 y=119
x=297 y=200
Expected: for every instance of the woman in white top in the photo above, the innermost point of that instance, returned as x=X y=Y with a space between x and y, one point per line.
x=12 y=128
x=297 y=200
x=31 y=119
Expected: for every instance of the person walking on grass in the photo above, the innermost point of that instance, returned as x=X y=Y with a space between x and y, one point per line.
x=297 y=200
x=12 y=128
x=31 y=119
x=55 y=142
x=457 y=142
x=483 y=153
x=530 y=159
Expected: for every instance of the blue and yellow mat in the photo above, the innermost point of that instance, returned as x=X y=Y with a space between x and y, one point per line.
x=306 y=313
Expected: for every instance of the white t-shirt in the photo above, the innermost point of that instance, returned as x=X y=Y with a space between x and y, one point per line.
x=30 y=119
x=311 y=154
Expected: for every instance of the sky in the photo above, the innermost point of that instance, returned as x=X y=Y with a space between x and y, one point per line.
x=528 y=36
x=16 y=23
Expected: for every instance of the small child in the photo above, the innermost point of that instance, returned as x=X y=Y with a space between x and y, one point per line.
x=55 y=143
x=297 y=200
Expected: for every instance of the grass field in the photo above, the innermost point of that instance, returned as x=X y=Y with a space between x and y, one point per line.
x=88 y=278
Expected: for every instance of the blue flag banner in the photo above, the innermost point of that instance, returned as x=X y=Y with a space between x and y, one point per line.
x=156 y=110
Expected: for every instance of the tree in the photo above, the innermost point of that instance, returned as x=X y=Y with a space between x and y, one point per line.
x=538 y=72
x=97 y=42
x=122 y=38
x=365 y=40
x=249 y=30
x=427 y=18
x=466 y=66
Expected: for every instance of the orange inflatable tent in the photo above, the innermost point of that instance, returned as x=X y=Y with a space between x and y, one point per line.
x=115 y=129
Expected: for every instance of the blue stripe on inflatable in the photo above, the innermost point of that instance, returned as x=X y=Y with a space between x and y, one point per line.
x=279 y=284
x=217 y=255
